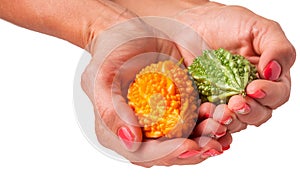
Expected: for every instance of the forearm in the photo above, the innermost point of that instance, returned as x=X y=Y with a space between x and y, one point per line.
x=76 y=21
x=166 y=8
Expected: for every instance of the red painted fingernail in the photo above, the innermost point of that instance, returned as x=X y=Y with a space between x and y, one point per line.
x=257 y=94
x=126 y=136
x=226 y=147
x=227 y=121
x=244 y=109
x=210 y=153
x=219 y=135
x=187 y=154
x=272 y=71
x=207 y=115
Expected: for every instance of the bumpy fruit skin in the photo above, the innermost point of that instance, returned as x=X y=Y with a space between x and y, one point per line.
x=219 y=75
x=165 y=100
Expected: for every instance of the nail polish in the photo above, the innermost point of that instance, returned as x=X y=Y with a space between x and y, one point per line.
x=190 y=153
x=219 y=135
x=226 y=148
x=245 y=109
x=227 y=121
x=207 y=115
x=126 y=136
x=210 y=153
x=272 y=71
x=257 y=94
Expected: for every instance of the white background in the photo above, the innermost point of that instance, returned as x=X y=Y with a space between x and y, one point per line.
x=39 y=134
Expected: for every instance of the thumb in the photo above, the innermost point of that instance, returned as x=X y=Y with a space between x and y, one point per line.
x=277 y=54
x=276 y=62
x=126 y=125
x=116 y=125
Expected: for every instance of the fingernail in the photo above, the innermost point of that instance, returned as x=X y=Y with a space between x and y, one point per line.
x=227 y=121
x=224 y=148
x=126 y=136
x=187 y=154
x=257 y=94
x=210 y=153
x=272 y=71
x=219 y=135
x=207 y=115
x=244 y=109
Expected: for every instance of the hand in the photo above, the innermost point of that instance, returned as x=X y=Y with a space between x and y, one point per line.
x=241 y=31
x=106 y=77
x=263 y=42
x=118 y=55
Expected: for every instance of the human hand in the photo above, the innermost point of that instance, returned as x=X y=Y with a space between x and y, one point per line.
x=260 y=40
x=241 y=31
x=118 y=55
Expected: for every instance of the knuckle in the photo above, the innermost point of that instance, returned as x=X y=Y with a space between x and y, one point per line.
x=238 y=128
x=108 y=118
x=101 y=131
x=286 y=90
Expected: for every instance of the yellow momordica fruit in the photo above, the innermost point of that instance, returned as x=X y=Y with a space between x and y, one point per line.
x=165 y=100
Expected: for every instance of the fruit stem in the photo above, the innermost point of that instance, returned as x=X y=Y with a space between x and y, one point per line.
x=180 y=61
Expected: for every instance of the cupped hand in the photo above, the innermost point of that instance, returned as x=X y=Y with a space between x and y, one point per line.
x=118 y=54
x=260 y=40
x=241 y=31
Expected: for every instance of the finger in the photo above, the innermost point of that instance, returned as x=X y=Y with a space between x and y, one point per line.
x=177 y=151
x=236 y=125
x=118 y=117
x=249 y=111
x=211 y=128
x=268 y=93
x=154 y=152
x=223 y=114
x=225 y=141
x=209 y=147
x=274 y=61
x=126 y=124
x=167 y=152
x=226 y=117
x=206 y=110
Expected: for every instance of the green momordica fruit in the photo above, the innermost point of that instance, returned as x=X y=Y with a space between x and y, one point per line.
x=220 y=74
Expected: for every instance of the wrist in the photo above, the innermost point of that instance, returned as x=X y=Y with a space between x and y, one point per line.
x=107 y=15
x=76 y=21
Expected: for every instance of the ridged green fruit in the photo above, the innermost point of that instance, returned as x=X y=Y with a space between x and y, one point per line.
x=220 y=74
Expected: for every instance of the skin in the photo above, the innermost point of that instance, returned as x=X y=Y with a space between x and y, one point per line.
x=81 y=22
x=90 y=24
x=242 y=32
x=106 y=81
